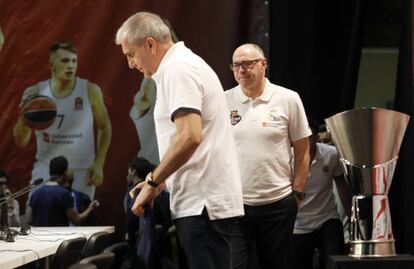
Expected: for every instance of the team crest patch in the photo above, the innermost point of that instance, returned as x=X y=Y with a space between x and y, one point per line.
x=272 y=115
x=234 y=117
x=78 y=104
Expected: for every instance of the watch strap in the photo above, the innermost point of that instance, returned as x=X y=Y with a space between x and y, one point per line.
x=150 y=180
x=299 y=194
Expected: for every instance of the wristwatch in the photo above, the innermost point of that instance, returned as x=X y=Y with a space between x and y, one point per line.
x=299 y=194
x=150 y=180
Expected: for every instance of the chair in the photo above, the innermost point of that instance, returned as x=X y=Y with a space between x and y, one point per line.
x=122 y=251
x=68 y=253
x=96 y=244
x=83 y=266
x=102 y=261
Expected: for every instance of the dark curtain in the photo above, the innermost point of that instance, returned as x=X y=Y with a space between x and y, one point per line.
x=401 y=193
x=315 y=48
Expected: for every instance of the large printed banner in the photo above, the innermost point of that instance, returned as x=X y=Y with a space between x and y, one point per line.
x=100 y=115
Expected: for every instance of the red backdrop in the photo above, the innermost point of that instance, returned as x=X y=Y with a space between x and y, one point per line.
x=213 y=29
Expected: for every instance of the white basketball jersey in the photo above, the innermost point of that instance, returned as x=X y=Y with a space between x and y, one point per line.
x=145 y=123
x=72 y=134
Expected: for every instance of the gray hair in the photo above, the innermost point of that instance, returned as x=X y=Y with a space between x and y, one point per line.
x=142 y=25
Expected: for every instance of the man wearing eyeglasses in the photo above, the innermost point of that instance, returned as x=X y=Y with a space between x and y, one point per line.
x=267 y=121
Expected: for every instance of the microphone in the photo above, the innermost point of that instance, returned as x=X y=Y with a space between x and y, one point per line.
x=36 y=183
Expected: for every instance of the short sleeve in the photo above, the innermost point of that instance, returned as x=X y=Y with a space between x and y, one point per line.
x=338 y=170
x=183 y=90
x=298 y=123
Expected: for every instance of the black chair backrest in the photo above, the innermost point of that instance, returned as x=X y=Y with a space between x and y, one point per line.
x=102 y=261
x=68 y=253
x=83 y=266
x=96 y=244
x=122 y=251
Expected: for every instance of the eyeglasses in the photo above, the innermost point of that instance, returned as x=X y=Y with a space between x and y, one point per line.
x=245 y=64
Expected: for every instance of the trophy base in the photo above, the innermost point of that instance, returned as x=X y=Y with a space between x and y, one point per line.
x=372 y=248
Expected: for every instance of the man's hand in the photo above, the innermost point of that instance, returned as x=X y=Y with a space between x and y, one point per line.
x=28 y=94
x=135 y=189
x=94 y=204
x=145 y=196
x=95 y=175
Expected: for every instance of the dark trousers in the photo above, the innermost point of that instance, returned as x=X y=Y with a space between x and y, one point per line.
x=206 y=243
x=329 y=240
x=265 y=234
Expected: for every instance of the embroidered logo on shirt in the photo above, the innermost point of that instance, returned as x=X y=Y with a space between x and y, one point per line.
x=78 y=104
x=234 y=117
x=273 y=119
x=46 y=137
x=272 y=115
x=270 y=124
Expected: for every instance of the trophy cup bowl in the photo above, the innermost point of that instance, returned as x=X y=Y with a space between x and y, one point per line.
x=368 y=141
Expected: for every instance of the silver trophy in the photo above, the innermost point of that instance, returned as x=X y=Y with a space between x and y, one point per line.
x=368 y=141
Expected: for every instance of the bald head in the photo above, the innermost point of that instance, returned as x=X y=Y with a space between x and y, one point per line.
x=251 y=49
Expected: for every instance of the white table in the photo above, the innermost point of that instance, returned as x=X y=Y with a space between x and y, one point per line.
x=42 y=242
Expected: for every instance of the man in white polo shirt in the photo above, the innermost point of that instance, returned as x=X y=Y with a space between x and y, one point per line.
x=196 y=145
x=267 y=120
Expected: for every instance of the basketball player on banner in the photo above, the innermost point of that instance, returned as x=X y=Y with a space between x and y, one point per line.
x=1 y=39
x=79 y=105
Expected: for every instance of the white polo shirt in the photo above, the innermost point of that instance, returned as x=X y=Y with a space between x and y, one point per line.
x=210 y=178
x=319 y=204
x=264 y=129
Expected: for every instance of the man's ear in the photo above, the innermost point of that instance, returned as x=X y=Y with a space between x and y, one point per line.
x=151 y=44
x=265 y=62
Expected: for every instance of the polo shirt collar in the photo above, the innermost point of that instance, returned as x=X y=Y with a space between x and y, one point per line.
x=265 y=97
x=51 y=183
x=171 y=51
x=243 y=98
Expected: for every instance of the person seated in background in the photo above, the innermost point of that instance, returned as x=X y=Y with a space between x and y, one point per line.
x=10 y=211
x=52 y=204
x=81 y=200
x=138 y=169
x=135 y=168
x=318 y=225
